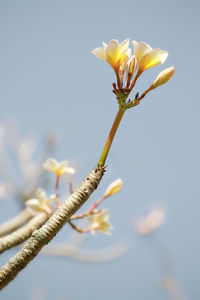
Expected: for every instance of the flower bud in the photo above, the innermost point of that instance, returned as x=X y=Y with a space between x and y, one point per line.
x=131 y=66
x=163 y=77
x=113 y=188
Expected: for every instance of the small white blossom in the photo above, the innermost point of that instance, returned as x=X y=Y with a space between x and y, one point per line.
x=99 y=221
x=114 y=53
x=59 y=168
x=41 y=203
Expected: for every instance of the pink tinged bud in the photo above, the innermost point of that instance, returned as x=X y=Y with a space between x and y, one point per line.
x=130 y=69
x=163 y=77
x=131 y=66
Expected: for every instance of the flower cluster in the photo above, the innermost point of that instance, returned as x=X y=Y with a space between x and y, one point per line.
x=119 y=56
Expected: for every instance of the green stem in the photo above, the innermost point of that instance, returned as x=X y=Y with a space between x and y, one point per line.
x=110 y=138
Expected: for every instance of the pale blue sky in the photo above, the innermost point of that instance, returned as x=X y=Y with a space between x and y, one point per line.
x=50 y=80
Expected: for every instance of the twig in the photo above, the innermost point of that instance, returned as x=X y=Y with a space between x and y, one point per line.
x=76 y=228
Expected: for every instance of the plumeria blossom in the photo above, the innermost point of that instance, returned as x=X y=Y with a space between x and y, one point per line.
x=41 y=203
x=131 y=67
x=148 y=57
x=99 y=221
x=59 y=168
x=163 y=77
x=151 y=222
x=118 y=55
x=113 y=188
x=114 y=53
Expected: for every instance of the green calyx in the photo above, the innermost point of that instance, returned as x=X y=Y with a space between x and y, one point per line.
x=122 y=100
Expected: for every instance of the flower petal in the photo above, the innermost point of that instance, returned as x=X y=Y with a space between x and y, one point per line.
x=33 y=206
x=63 y=164
x=71 y=170
x=124 y=46
x=50 y=164
x=100 y=53
x=140 y=49
x=41 y=194
x=113 y=53
x=153 y=58
x=104 y=215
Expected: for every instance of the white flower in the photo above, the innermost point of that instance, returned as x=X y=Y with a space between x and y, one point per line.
x=41 y=203
x=148 y=57
x=151 y=222
x=99 y=221
x=58 y=168
x=114 y=53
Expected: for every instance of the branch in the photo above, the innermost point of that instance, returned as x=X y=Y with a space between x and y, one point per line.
x=15 y=222
x=22 y=234
x=47 y=232
x=91 y=256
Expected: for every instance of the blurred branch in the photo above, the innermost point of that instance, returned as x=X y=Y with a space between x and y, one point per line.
x=47 y=232
x=22 y=234
x=92 y=256
x=15 y=222
x=28 y=173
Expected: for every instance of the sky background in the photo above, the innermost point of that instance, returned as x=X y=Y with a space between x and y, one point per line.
x=49 y=80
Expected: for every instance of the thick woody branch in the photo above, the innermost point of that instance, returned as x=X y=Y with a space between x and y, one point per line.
x=15 y=222
x=22 y=234
x=47 y=232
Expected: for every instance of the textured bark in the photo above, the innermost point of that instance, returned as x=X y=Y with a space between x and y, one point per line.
x=47 y=232
x=21 y=235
